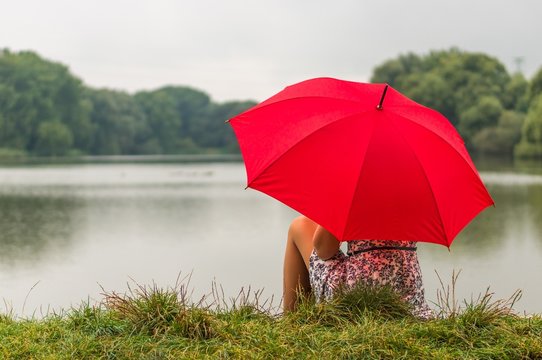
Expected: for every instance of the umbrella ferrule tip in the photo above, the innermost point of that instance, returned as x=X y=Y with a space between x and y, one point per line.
x=379 y=107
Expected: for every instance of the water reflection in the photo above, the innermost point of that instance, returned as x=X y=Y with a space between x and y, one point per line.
x=33 y=227
x=488 y=232
x=534 y=216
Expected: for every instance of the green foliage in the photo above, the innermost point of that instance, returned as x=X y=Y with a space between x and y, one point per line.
x=161 y=109
x=485 y=113
x=471 y=89
x=530 y=145
x=187 y=121
x=500 y=139
x=535 y=86
x=53 y=139
x=46 y=111
x=516 y=94
x=180 y=118
x=118 y=121
x=10 y=153
x=35 y=91
x=209 y=132
x=431 y=90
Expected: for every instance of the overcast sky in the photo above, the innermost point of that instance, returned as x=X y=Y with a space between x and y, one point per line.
x=242 y=49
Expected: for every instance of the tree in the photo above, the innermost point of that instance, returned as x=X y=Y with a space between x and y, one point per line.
x=500 y=139
x=192 y=107
x=45 y=110
x=535 y=86
x=119 y=122
x=430 y=90
x=11 y=134
x=212 y=132
x=516 y=93
x=183 y=119
x=483 y=114
x=473 y=90
x=53 y=139
x=530 y=145
x=449 y=81
x=34 y=90
x=164 y=120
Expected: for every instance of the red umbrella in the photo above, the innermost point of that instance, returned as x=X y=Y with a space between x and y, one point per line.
x=362 y=160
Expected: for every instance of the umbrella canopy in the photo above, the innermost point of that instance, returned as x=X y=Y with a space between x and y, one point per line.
x=362 y=160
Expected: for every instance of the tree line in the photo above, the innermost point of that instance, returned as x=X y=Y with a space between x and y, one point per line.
x=495 y=112
x=47 y=111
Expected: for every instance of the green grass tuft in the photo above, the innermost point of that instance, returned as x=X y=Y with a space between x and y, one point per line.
x=95 y=321
x=153 y=310
x=381 y=301
x=351 y=306
x=485 y=311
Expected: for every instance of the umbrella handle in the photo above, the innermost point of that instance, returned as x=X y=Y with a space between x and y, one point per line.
x=379 y=106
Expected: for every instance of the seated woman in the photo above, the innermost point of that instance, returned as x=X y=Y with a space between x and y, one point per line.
x=313 y=260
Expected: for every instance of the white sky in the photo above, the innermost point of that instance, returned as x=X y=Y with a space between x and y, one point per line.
x=241 y=49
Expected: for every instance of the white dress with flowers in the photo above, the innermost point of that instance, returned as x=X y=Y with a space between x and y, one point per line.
x=373 y=262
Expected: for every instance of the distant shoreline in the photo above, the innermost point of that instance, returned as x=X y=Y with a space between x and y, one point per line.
x=120 y=159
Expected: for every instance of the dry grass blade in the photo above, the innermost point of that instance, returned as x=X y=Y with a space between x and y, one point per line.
x=246 y=301
x=480 y=311
x=447 y=303
x=484 y=311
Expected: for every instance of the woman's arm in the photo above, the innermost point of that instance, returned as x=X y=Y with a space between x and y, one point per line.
x=325 y=244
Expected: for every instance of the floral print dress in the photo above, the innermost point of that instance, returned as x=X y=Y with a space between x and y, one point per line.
x=373 y=262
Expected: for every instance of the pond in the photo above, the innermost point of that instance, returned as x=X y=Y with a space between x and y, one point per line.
x=70 y=231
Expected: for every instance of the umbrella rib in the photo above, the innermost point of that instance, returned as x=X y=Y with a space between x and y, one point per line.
x=440 y=137
x=426 y=179
x=301 y=140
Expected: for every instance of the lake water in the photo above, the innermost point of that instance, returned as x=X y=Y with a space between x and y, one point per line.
x=66 y=231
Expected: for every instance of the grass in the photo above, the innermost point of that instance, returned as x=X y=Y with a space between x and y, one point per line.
x=149 y=322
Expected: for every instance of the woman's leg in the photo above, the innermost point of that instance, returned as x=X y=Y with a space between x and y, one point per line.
x=296 y=260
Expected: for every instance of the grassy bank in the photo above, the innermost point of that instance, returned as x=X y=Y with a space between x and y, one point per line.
x=155 y=323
